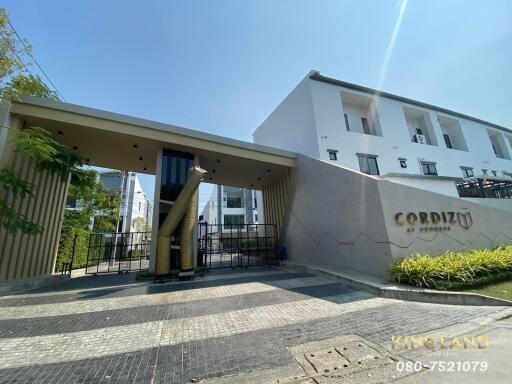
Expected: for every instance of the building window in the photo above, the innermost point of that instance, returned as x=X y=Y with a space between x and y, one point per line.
x=508 y=174
x=484 y=172
x=255 y=203
x=139 y=205
x=346 y=122
x=366 y=126
x=467 y=172
x=234 y=220
x=333 y=154
x=447 y=141
x=495 y=173
x=256 y=217
x=234 y=202
x=403 y=162
x=368 y=164
x=429 y=168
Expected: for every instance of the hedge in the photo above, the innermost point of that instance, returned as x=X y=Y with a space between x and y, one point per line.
x=65 y=252
x=454 y=270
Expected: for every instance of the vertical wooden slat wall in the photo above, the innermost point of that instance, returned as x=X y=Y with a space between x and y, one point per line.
x=25 y=256
x=276 y=198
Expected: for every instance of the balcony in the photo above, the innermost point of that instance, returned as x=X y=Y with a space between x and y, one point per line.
x=360 y=114
x=420 y=126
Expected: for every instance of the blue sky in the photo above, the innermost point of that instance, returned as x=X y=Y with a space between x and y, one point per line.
x=223 y=66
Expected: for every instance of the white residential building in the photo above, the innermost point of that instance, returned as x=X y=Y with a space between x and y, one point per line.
x=232 y=205
x=136 y=209
x=401 y=140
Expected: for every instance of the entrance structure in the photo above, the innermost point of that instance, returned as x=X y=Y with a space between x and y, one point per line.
x=127 y=143
x=324 y=213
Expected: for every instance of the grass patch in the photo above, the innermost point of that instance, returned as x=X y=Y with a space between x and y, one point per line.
x=454 y=270
x=501 y=290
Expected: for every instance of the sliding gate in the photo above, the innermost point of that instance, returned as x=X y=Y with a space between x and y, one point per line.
x=118 y=252
x=237 y=245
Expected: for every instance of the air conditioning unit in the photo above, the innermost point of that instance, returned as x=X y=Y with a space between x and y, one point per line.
x=420 y=139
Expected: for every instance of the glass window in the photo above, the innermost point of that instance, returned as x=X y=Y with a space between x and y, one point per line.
x=234 y=202
x=429 y=168
x=368 y=164
x=447 y=141
x=366 y=126
x=233 y=219
x=467 y=172
x=332 y=155
x=346 y=122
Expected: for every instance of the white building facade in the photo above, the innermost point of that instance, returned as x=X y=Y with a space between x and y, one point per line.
x=377 y=133
x=231 y=206
x=135 y=209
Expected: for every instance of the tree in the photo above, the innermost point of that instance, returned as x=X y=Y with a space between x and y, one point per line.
x=35 y=143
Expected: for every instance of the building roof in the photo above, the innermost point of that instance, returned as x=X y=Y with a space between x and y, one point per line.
x=315 y=75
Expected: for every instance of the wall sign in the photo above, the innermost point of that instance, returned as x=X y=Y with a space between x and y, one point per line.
x=433 y=221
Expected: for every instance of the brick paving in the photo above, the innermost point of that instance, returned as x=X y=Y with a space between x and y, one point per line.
x=113 y=329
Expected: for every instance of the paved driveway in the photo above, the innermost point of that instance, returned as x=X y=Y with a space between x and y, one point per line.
x=114 y=329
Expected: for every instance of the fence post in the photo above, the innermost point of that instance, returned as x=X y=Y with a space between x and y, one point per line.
x=72 y=255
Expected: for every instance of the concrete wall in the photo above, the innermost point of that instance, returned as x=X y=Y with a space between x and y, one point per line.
x=336 y=219
x=344 y=218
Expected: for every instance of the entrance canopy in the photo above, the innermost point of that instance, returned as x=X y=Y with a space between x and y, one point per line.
x=122 y=142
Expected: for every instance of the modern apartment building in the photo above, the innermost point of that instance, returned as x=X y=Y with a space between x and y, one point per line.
x=232 y=205
x=392 y=137
x=136 y=209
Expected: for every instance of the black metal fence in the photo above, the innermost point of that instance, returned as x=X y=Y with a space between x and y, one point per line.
x=118 y=252
x=237 y=245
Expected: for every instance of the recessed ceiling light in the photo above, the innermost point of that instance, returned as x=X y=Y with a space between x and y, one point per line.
x=218 y=161
x=140 y=158
x=252 y=185
x=268 y=170
x=135 y=145
x=75 y=147
x=213 y=170
x=60 y=132
x=87 y=160
x=145 y=169
x=259 y=178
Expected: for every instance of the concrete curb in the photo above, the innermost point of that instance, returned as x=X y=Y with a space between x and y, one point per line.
x=403 y=292
x=18 y=286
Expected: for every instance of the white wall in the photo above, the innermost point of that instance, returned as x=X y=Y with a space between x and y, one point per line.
x=291 y=125
x=396 y=142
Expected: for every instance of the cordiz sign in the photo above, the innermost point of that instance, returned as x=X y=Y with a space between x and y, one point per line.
x=434 y=221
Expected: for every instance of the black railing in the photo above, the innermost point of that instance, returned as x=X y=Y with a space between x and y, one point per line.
x=118 y=252
x=237 y=245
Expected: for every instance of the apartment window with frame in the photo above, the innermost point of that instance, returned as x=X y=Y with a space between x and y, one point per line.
x=333 y=154
x=234 y=202
x=368 y=164
x=366 y=125
x=467 y=172
x=447 y=141
x=429 y=168
x=234 y=220
x=347 y=126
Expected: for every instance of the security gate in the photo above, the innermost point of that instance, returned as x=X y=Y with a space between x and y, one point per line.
x=237 y=245
x=118 y=252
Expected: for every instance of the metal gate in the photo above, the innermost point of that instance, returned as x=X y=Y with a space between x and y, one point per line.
x=118 y=252
x=237 y=245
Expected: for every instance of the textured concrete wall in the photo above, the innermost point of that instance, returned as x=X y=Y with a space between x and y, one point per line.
x=336 y=218
x=344 y=218
x=488 y=226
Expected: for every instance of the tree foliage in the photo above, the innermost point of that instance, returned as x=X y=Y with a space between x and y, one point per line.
x=35 y=143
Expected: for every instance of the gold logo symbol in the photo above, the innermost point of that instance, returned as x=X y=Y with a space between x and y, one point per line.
x=465 y=220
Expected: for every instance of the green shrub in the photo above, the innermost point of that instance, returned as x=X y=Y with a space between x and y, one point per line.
x=454 y=270
x=67 y=238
